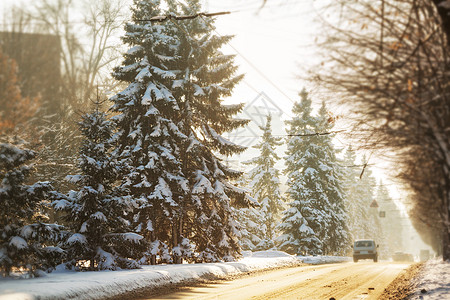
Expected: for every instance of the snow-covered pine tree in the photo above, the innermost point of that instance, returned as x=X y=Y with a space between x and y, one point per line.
x=371 y=225
x=100 y=234
x=251 y=228
x=205 y=77
x=265 y=184
x=356 y=203
x=26 y=242
x=304 y=223
x=149 y=142
x=331 y=178
x=391 y=223
x=249 y=219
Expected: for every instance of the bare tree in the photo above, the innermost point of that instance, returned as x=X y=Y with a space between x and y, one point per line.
x=87 y=39
x=86 y=44
x=389 y=63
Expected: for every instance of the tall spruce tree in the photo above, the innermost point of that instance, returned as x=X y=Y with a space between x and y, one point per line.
x=265 y=184
x=170 y=120
x=96 y=215
x=315 y=223
x=359 y=186
x=391 y=222
x=26 y=241
x=304 y=222
x=149 y=141
x=356 y=204
x=332 y=177
x=249 y=218
x=205 y=77
x=371 y=225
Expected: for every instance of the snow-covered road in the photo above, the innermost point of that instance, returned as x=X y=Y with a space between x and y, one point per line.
x=363 y=280
x=62 y=284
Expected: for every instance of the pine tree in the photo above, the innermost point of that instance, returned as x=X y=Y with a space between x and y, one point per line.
x=25 y=240
x=351 y=177
x=94 y=212
x=169 y=122
x=331 y=174
x=391 y=223
x=316 y=220
x=149 y=140
x=205 y=77
x=251 y=228
x=266 y=185
x=371 y=225
x=304 y=223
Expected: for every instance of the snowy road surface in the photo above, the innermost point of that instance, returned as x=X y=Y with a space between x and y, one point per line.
x=363 y=280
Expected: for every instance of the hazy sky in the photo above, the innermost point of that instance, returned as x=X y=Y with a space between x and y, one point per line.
x=271 y=41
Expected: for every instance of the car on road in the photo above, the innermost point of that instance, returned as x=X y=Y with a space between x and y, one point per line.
x=365 y=249
x=400 y=256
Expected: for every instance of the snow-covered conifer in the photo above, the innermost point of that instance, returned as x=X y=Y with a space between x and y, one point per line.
x=331 y=177
x=315 y=223
x=149 y=140
x=372 y=225
x=205 y=77
x=363 y=221
x=304 y=223
x=170 y=120
x=249 y=219
x=265 y=184
x=26 y=242
x=390 y=223
x=355 y=205
x=100 y=238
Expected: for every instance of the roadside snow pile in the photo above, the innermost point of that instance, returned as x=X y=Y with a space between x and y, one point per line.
x=434 y=281
x=317 y=260
x=62 y=284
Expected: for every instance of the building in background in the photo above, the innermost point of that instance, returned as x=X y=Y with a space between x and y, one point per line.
x=38 y=59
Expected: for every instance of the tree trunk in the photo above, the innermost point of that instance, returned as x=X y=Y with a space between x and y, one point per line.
x=175 y=242
x=152 y=257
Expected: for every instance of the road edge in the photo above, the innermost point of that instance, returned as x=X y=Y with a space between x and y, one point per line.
x=402 y=287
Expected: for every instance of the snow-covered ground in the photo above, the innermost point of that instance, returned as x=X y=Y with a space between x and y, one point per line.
x=62 y=284
x=434 y=281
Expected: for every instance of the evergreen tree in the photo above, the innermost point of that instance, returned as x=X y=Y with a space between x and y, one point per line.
x=371 y=225
x=331 y=174
x=94 y=213
x=315 y=223
x=25 y=240
x=391 y=223
x=249 y=219
x=169 y=122
x=149 y=141
x=251 y=229
x=356 y=204
x=205 y=77
x=265 y=184
x=304 y=223
x=364 y=221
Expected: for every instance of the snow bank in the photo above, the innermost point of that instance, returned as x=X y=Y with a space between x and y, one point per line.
x=434 y=281
x=63 y=284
